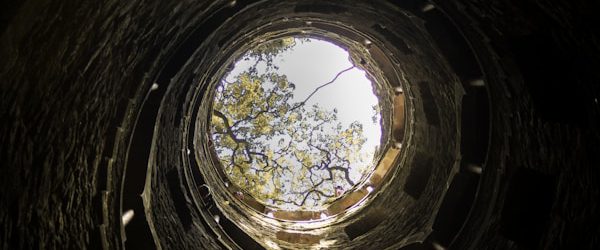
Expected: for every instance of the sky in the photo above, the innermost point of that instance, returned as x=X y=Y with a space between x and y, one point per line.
x=313 y=63
x=310 y=64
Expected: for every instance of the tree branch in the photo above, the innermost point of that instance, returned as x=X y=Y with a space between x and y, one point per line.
x=318 y=88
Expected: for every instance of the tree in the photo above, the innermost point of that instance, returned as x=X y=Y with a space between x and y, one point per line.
x=283 y=153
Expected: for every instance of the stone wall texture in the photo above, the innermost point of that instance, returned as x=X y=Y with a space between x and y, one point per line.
x=76 y=105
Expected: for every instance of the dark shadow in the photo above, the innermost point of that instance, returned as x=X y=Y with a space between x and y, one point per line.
x=526 y=210
x=418 y=177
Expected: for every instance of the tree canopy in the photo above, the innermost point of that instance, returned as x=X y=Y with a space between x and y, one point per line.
x=286 y=154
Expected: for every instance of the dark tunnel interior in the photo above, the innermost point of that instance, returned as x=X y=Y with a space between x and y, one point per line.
x=105 y=107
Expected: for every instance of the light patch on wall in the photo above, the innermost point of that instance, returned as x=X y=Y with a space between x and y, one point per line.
x=127 y=216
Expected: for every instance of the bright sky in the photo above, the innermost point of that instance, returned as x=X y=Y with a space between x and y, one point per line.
x=310 y=64
x=313 y=63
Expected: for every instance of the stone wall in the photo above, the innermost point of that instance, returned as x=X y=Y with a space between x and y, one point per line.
x=503 y=142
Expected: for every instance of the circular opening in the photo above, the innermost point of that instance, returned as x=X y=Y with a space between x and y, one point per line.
x=364 y=46
x=296 y=125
